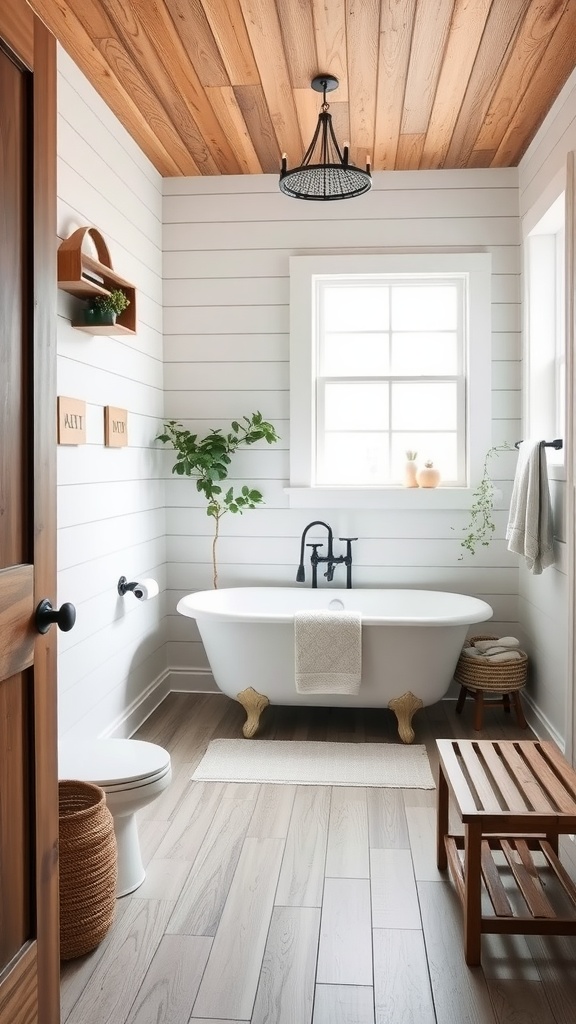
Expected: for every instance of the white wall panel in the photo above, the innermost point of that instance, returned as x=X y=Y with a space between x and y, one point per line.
x=544 y=598
x=111 y=514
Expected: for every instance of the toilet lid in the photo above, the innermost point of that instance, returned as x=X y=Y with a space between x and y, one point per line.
x=111 y=762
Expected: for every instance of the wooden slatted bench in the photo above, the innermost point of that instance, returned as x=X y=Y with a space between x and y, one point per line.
x=514 y=799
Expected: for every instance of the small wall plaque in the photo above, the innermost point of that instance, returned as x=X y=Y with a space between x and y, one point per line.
x=115 y=427
x=71 y=421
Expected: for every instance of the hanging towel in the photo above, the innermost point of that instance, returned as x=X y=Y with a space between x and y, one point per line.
x=327 y=651
x=529 y=531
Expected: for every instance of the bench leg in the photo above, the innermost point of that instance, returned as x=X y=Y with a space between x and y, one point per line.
x=506 y=702
x=472 y=889
x=442 y=821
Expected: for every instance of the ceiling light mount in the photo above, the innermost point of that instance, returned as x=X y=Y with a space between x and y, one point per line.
x=325 y=172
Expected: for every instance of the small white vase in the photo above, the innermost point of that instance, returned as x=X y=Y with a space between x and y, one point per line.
x=410 y=470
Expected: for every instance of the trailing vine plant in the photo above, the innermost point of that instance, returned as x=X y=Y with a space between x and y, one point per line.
x=208 y=459
x=480 y=528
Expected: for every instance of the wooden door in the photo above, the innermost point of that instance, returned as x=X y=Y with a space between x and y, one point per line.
x=29 y=955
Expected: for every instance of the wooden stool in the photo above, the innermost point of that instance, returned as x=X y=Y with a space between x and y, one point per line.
x=481 y=703
x=501 y=679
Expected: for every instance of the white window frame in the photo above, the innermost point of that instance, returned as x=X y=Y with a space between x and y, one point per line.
x=545 y=356
x=304 y=270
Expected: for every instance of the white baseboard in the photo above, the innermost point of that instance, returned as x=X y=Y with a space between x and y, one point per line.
x=191 y=680
x=140 y=709
x=540 y=724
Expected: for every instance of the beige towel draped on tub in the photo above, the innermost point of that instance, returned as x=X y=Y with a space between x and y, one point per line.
x=327 y=651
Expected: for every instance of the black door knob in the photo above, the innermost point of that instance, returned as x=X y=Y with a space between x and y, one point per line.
x=64 y=616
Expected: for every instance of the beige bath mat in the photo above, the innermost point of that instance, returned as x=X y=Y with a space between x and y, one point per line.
x=313 y=763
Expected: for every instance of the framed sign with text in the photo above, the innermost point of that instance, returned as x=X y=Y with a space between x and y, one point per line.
x=115 y=427
x=71 y=421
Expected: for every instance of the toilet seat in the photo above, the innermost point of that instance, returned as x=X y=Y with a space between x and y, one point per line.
x=113 y=764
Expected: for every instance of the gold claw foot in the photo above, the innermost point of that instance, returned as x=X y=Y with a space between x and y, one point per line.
x=404 y=708
x=253 y=704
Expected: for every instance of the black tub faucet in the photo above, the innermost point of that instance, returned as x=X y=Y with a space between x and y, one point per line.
x=330 y=558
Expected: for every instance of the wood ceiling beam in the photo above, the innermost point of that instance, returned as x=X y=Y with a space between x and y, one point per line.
x=362 y=34
x=192 y=26
x=329 y=17
x=148 y=30
x=229 y=31
x=466 y=30
x=252 y=103
x=531 y=41
x=431 y=27
x=140 y=116
x=265 y=36
x=556 y=65
x=225 y=106
x=503 y=23
x=396 y=27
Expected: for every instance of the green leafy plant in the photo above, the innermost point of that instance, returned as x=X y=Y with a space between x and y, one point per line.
x=208 y=459
x=115 y=302
x=480 y=528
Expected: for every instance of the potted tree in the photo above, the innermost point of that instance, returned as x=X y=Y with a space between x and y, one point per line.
x=102 y=310
x=208 y=459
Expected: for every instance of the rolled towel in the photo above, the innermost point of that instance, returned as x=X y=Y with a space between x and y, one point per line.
x=471 y=652
x=505 y=641
x=505 y=656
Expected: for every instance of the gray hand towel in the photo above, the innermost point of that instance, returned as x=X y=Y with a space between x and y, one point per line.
x=529 y=531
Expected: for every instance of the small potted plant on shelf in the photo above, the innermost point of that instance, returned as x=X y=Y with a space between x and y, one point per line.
x=102 y=310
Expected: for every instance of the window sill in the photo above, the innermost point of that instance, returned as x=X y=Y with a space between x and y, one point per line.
x=383 y=497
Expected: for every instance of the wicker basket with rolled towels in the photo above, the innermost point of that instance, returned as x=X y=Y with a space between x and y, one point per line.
x=503 y=672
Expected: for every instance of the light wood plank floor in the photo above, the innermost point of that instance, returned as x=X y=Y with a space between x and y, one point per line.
x=305 y=905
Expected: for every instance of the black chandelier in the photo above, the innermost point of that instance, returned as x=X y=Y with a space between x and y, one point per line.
x=325 y=172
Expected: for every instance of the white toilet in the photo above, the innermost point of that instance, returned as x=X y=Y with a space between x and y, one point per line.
x=131 y=773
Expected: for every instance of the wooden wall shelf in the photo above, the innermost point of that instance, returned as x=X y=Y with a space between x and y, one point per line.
x=83 y=276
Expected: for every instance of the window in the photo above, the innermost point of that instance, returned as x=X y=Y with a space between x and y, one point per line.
x=388 y=353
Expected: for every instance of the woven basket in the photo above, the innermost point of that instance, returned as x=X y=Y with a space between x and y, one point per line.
x=88 y=867
x=499 y=676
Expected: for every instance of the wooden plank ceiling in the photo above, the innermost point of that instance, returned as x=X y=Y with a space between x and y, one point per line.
x=223 y=86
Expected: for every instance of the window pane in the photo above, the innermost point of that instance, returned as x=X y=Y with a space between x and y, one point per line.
x=354 y=459
x=423 y=406
x=440 y=448
x=425 y=308
x=362 y=406
x=360 y=308
x=350 y=354
x=424 y=354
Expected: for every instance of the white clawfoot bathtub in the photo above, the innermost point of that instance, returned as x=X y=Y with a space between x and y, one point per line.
x=411 y=640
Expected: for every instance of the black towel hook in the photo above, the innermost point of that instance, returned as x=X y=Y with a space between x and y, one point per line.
x=557 y=444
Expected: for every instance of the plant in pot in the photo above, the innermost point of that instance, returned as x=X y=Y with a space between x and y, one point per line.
x=103 y=309
x=208 y=459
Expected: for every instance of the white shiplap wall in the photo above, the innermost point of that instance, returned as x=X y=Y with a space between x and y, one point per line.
x=111 y=517
x=226 y=246
x=543 y=600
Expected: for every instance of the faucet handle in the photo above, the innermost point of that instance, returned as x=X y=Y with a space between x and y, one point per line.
x=348 y=538
x=315 y=546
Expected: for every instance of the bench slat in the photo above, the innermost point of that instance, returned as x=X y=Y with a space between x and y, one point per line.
x=479 y=779
x=526 y=876
x=455 y=777
x=492 y=881
x=525 y=780
x=499 y=769
x=551 y=783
